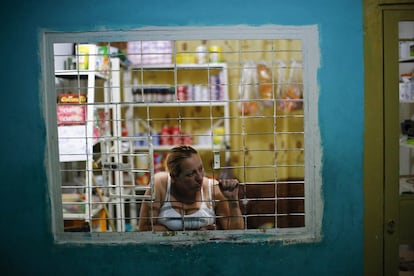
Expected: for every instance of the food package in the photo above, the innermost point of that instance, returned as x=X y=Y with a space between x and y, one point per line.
x=150 y=52
x=248 y=90
x=71 y=109
x=291 y=95
x=264 y=75
x=83 y=51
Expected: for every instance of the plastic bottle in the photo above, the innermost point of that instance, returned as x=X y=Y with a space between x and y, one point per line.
x=201 y=53
x=215 y=53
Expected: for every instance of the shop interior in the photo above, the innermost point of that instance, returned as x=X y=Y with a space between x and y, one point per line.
x=406 y=97
x=122 y=105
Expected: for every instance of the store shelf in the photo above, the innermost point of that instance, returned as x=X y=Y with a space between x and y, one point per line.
x=403 y=142
x=407 y=101
x=83 y=139
x=199 y=147
x=406 y=109
x=72 y=201
x=72 y=74
x=407 y=185
x=180 y=66
x=208 y=90
x=81 y=216
x=409 y=59
x=176 y=104
x=180 y=103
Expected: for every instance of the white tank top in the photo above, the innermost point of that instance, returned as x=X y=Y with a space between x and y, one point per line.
x=174 y=221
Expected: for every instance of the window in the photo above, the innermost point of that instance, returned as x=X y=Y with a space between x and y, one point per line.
x=246 y=98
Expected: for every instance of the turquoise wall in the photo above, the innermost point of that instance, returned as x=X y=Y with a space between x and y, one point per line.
x=26 y=242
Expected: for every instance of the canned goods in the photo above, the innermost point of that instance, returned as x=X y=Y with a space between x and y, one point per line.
x=188 y=139
x=176 y=135
x=182 y=93
x=165 y=138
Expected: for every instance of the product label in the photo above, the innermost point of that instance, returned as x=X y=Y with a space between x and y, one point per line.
x=71 y=109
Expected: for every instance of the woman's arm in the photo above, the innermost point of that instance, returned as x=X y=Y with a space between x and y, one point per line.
x=150 y=210
x=148 y=214
x=227 y=208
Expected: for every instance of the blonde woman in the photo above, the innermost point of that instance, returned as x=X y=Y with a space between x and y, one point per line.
x=187 y=200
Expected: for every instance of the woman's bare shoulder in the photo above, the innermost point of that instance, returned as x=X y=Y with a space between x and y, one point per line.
x=160 y=179
x=161 y=175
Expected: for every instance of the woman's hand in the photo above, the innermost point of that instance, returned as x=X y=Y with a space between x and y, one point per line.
x=209 y=227
x=229 y=188
x=229 y=208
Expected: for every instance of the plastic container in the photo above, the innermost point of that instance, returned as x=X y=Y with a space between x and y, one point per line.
x=201 y=53
x=215 y=54
x=83 y=51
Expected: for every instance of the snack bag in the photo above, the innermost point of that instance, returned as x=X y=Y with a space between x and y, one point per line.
x=264 y=75
x=248 y=90
x=291 y=94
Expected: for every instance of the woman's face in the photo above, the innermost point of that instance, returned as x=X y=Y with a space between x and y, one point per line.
x=192 y=173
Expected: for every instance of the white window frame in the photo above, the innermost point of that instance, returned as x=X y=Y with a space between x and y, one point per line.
x=311 y=232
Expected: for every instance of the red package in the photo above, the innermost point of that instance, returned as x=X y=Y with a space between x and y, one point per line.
x=71 y=109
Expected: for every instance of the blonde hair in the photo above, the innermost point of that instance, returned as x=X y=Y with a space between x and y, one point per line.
x=176 y=155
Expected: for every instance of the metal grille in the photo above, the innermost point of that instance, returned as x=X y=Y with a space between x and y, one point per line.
x=122 y=106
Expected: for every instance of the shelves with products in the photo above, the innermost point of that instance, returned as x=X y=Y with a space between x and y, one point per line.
x=170 y=104
x=406 y=48
x=180 y=83
x=87 y=117
x=406 y=66
x=179 y=104
x=406 y=116
x=83 y=107
x=163 y=135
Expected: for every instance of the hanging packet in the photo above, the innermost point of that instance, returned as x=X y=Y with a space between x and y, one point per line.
x=264 y=75
x=292 y=93
x=248 y=90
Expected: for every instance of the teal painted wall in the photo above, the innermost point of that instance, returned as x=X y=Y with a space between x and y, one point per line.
x=26 y=242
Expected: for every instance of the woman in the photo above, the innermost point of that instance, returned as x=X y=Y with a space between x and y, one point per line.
x=184 y=199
